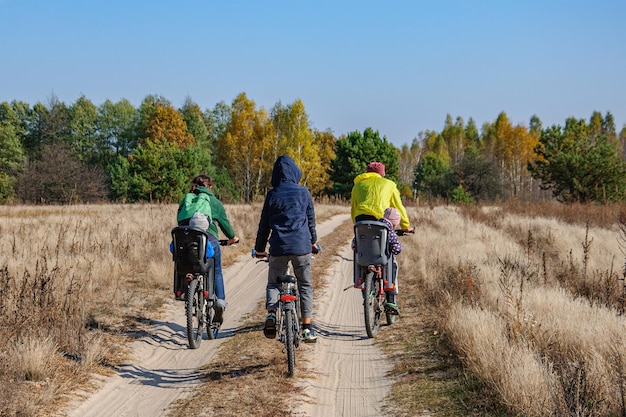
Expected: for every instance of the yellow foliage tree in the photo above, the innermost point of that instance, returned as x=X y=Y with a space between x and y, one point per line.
x=324 y=142
x=244 y=147
x=167 y=125
x=311 y=151
x=513 y=150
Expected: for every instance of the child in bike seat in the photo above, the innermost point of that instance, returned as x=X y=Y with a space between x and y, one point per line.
x=392 y=219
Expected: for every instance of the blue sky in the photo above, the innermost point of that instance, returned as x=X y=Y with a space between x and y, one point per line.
x=398 y=67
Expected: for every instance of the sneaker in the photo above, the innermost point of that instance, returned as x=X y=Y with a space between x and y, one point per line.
x=392 y=308
x=219 y=308
x=309 y=336
x=269 y=330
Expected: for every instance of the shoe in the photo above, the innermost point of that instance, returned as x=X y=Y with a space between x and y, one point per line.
x=269 y=330
x=392 y=308
x=219 y=308
x=309 y=336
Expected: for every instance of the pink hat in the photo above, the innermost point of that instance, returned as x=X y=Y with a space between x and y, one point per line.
x=376 y=167
x=393 y=216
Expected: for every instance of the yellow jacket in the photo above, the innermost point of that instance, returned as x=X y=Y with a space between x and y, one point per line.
x=372 y=194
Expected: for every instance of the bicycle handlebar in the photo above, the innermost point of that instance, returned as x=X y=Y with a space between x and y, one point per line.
x=315 y=250
x=404 y=232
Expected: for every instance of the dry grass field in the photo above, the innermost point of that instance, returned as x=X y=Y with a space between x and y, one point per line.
x=508 y=310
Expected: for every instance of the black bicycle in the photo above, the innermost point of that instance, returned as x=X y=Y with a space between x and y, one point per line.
x=194 y=282
x=288 y=315
x=373 y=273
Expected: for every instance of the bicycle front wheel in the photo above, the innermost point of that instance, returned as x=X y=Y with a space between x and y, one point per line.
x=290 y=344
x=371 y=305
x=194 y=308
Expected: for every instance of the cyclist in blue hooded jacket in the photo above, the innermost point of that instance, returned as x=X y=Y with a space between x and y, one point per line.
x=288 y=223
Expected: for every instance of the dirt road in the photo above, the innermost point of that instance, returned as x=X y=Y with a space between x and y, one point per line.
x=348 y=369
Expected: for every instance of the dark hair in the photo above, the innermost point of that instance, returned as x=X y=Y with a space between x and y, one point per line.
x=203 y=180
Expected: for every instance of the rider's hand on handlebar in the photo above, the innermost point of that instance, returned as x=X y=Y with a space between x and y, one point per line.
x=261 y=255
x=409 y=230
x=316 y=248
x=233 y=241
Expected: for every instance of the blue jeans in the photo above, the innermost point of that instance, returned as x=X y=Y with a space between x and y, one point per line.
x=219 y=277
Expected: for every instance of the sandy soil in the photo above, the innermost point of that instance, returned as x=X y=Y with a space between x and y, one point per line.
x=346 y=371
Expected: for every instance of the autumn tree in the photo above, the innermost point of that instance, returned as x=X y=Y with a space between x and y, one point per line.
x=293 y=136
x=408 y=158
x=243 y=148
x=325 y=144
x=146 y=112
x=511 y=149
x=160 y=167
x=453 y=134
x=472 y=136
x=167 y=125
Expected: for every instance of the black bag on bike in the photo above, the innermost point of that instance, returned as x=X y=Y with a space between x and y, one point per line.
x=189 y=254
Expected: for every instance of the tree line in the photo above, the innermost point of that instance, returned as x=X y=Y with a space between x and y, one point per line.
x=59 y=154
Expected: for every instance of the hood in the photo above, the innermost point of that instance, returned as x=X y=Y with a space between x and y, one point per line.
x=285 y=170
x=365 y=176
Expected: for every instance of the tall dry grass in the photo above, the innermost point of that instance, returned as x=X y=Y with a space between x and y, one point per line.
x=531 y=304
x=77 y=282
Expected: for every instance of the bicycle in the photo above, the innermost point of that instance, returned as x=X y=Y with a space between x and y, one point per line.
x=194 y=282
x=288 y=315
x=373 y=273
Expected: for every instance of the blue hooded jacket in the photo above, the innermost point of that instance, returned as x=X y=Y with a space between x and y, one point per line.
x=287 y=213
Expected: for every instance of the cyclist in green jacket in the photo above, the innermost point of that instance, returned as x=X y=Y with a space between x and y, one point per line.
x=202 y=199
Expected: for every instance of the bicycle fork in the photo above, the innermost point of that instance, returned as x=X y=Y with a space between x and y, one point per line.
x=288 y=305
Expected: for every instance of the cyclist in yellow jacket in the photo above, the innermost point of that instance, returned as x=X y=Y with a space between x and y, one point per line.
x=372 y=194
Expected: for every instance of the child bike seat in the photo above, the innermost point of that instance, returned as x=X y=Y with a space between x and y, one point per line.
x=190 y=250
x=370 y=238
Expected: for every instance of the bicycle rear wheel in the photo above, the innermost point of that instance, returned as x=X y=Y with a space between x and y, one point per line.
x=290 y=346
x=194 y=308
x=371 y=305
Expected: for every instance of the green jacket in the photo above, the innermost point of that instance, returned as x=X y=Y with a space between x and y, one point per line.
x=219 y=218
x=197 y=201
